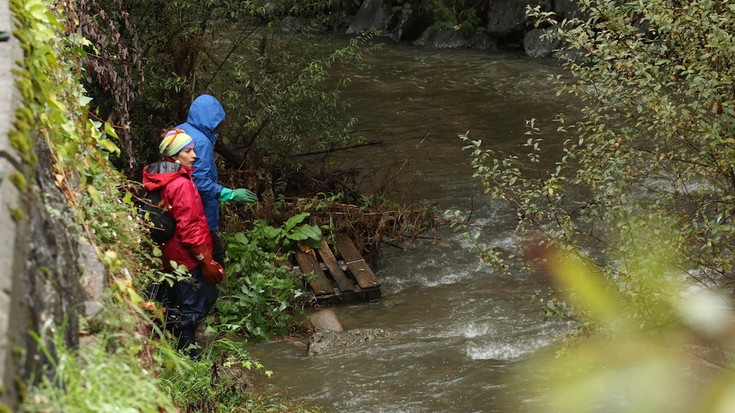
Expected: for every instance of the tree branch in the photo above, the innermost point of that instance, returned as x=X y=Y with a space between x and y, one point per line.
x=341 y=148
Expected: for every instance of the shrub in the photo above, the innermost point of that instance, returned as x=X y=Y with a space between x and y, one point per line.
x=261 y=296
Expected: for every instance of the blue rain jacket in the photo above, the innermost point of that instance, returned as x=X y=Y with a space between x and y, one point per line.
x=205 y=114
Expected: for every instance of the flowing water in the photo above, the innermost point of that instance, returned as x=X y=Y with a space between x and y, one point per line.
x=458 y=329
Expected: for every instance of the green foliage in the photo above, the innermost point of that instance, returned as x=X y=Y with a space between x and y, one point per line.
x=465 y=15
x=285 y=99
x=54 y=102
x=521 y=181
x=654 y=140
x=261 y=297
x=635 y=216
x=91 y=383
x=284 y=239
x=19 y=181
x=126 y=345
x=216 y=383
x=89 y=380
x=321 y=201
x=659 y=120
x=280 y=92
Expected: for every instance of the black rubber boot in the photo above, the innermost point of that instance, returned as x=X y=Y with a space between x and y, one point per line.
x=187 y=343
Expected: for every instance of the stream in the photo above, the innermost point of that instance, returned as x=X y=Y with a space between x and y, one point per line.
x=458 y=329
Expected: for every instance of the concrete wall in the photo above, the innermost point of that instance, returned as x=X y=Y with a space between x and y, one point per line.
x=13 y=238
x=41 y=259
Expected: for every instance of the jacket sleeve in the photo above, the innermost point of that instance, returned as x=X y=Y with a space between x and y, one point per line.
x=186 y=208
x=204 y=171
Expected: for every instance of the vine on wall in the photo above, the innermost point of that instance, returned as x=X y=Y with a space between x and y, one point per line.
x=56 y=109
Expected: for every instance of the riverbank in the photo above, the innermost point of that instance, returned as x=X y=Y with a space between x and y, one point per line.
x=487 y=26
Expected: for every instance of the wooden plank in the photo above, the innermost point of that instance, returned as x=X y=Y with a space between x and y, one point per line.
x=334 y=269
x=357 y=265
x=315 y=276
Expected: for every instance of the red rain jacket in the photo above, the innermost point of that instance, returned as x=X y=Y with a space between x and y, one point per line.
x=181 y=198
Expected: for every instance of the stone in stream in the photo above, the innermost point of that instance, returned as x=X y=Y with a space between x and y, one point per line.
x=324 y=342
x=325 y=320
x=330 y=335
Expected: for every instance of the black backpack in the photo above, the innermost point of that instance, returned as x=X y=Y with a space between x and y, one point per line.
x=163 y=224
x=151 y=206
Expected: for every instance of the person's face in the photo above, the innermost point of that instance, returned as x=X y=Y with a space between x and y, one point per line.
x=186 y=156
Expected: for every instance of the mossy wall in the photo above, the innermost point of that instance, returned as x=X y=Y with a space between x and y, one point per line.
x=39 y=269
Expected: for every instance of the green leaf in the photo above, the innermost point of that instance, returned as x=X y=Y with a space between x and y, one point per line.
x=295 y=220
x=298 y=234
x=110 y=130
x=93 y=194
x=109 y=146
x=312 y=232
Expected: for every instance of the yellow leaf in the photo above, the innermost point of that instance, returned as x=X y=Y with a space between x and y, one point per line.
x=109 y=146
x=303 y=247
x=110 y=130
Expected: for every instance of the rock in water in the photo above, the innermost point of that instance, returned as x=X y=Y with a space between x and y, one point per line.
x=324 y=342
x=325 y=320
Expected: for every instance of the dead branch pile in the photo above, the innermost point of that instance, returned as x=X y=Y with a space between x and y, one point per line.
x=368 y=221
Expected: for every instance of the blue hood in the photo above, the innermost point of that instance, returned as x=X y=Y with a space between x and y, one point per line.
x=205 y=114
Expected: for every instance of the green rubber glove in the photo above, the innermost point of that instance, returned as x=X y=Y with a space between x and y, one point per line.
x=244 y=195
x=237 y=195
x=226 y=194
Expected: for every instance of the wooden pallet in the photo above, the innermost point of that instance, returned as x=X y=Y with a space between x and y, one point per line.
x=339 y=274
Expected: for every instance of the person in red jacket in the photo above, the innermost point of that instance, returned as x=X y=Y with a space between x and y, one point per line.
x=188 y=300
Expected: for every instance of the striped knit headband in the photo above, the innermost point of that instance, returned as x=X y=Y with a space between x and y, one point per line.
x=174 y=141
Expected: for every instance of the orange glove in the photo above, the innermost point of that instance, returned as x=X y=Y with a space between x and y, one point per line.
x=211 y=269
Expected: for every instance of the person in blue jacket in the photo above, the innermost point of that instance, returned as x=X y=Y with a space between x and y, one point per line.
x=205 y=114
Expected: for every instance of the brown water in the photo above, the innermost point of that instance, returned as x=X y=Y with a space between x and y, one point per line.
x=458 y=328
